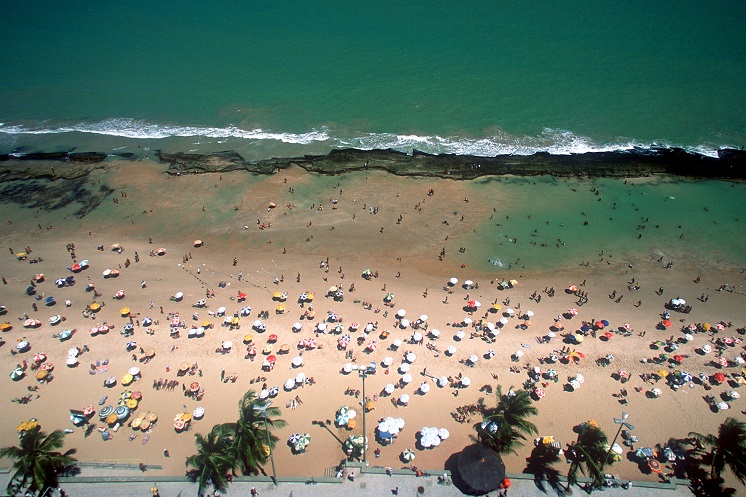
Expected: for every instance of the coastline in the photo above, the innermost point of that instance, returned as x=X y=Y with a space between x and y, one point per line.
x=730 y=163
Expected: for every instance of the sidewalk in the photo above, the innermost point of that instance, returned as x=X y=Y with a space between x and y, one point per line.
x=129 y=482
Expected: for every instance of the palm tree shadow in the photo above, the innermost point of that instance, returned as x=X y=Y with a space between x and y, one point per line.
x=539 y=464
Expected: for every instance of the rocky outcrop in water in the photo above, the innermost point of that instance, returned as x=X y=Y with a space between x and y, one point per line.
x=730 y=164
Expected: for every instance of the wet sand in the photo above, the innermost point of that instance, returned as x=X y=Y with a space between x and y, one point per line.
x=226 y=213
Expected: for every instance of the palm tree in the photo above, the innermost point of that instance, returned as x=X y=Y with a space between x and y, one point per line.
x=506 y=426
x=728 y=449
x=251 y=432
x=587 y=455
x=37 y=460
x=212 y=461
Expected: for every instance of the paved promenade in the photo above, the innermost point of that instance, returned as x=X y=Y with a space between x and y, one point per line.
x=130 y=482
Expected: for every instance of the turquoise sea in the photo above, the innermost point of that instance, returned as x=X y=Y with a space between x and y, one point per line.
x=288 y=77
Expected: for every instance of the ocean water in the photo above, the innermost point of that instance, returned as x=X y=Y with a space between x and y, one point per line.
x=286 y=78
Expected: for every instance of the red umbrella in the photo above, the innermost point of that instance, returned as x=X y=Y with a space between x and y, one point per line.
x=598 y=324
x=723 y=361
x=678 y=358
x=608 y=334
x=241 y=296
x=667 y=323
x=194 y=386
x=654 y=465
x=271 y=359
x=719 y=377
x=471 y=304
x=272 y=338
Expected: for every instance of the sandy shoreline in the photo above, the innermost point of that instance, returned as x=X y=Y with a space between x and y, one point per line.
x=175 y=211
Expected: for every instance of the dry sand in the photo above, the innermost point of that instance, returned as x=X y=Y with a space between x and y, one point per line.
x=350 y=237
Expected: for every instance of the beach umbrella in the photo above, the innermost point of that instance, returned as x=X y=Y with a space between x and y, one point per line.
x=321 y=327
x=425 y=387
x=408 y=455
x=575 y=384
x=22 y=345
x=423 y=317
x=539 y=392
x=434 y=333
x=529 y=314
x=467 y=320
x=289 y=384
x=667 y=323
x=723 y=406
x=297 y=361
x=406 y=378
x=416 y=337
x=396 y=344
x=722 y=361
x=503 y=321
x=119 y=294
x=245 y=311
x=656 y=392
x=654 y=465
x=389 y=297
x=732 y=394
x=17 y=374
x=411 y=357
x=580 y=378
x=518 y=354
x=442 y=381
x=127 y=379
x=300 y=378
x=451 y=350
x=297 y=327
x=572 y=312
x=720 y=326
x=460 y=334
x=719 y=377
x=71 y=361
x=465 y=381
x=404 y=323
x=31 y=323
x=389 y=388
x=39 y=358
x=608 y=335
x=480 y=468
x=404 y=399
x=387 y=361
x=134 y=371
x=468 y=283
x=473 y=359
x=551 y=373
x=404 y=367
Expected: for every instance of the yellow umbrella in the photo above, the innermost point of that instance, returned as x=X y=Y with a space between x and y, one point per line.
x=277 y=295
x=186 y=417
x=22 y=426
x=144 y=424
x=41 y=374
x=593 y=424
x=579 y=338
x=662 y=373
x=706 y=326
x=5 y=326
x=124 y=311
x=184 y=366
x=234 y=321
x=497 y=307
x=21 y=255
x=547 y=440
x=136 y=423
x=111 y=418
x=351 y=424
x=127 y=379
x=206 y=324
x=513 y=282
x=248 y=338
x=310 y=297
x=280 y=308
x=150 y=353
x=132 y=403
x=94 y=306
x=370 y=405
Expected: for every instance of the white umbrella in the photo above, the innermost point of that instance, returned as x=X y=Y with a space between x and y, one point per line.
x=518 y=354
x=300 y=378
x=396 y=343
x=467 y=320
x=733 y=394
x=509 y=311
x=722 y=406
x=529 y=313
x=404 y=368
x=297 y=361
x=465 y=381
x=423 y=317
x=134 y=371
x=389 y=388
x=657 y=392
x=227 y=344
x=417 y=337
x=424 y=387
x=490 y=325
x=468 y=283
x=503 y=321
x=451 y=350
x=435 y=333
x=22 y=345
x=73 y=352
x=347 y=368
x=442 y=381
x=404 y=398
x=387 y=361
x=473 y=358
x=72 y=361
x=406 y=378
x=404 y=323
x=290 y=384
x=453 y=281
x=297 y=327
x=460 y=334
x=411 y=357
x=369 y=327
x=706 y=348
x=401 y=313
x=443 y=434
x=220 y=311
x=321 y=327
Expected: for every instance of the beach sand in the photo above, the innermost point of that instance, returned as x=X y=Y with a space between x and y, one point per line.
x=226 y=212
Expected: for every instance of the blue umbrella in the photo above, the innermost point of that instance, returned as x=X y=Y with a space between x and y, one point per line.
x=384 y=435
x=49 y=300
x=606 y=323
x=31 y=290
x=686 y=376
x=585 y=327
